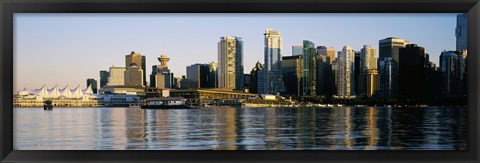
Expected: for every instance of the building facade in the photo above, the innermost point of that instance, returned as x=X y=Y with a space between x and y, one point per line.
x=345 y=74
x=389 y=47
x=297 y=50
x=161 y=77
x=461 y=32
x=134 y=76
x=230 y=62
x=368 y=71
x=386 y=69
x=103 y=78
x=116 y=76
x=325 y=51
x=197 y=76
x=292 y=69
x=254 y=74
x=309 y=69
x=140 y=61
x=273 y=62
x=411 y=76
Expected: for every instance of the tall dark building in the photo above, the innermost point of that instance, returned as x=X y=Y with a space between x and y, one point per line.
x=292 y=68
x=93 y=83
x=389 y=47
x=309 y=69
x=197 y=76
x=411 y=73
x=103 y=78
x=253 y=87
x=433 y=81
x=325 y=80
x=358 y=73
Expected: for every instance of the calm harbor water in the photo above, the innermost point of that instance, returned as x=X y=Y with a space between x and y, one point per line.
x=225 y=128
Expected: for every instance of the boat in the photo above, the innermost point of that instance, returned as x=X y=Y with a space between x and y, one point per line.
x=166 y=103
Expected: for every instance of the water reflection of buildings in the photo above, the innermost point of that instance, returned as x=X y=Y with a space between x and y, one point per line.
x=135 y=133
x=372 y=130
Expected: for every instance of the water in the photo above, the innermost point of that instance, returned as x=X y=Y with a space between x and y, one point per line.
x=241 y=129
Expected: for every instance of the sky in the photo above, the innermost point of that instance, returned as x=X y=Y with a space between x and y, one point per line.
x=56 y=48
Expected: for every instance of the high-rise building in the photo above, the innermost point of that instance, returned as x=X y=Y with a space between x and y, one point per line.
x=103 y=78
x=140 y=61
x=309 y=69
x=273 y=62
x=161 y=77
x=181 y=82
x=212 y=77
x=389 y=47
x=450 y=72
x=230 y=62
x=297 y=50
x=461 y=32
x=368 y=72
x=324 y=75
x=292 y=69
x=93 y=84
x=345 y=73
x=324 y=51
x=133 y=75
x=254 y=73
x=197 y=76
x=116 y=76
x=358 y=74
x=386 y=69
x=411 y=72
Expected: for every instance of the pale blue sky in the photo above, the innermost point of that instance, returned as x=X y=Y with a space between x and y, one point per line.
x=69 y=48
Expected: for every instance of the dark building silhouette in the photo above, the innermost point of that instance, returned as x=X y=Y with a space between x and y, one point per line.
x=358 y=73
x=253 y=86
x=292 y=68
x=411 y=73
x=325 y=80
x=93 y=83
x=197 y=76
x=103 y=78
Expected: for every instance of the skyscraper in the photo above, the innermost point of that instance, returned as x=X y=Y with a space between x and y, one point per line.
x=386 y=69
x=93 y=83
x=273 y=61
x=358 y=75
x=297 y=50
x=140 y=61
x=134 y=75
x=161 y=76
x=197 y=76
x=461 y=32
x=411 y=72
x=309 y=69
x=212 y=77
x=292 y=69
x=103 y=78
x=116 y=76
x=368 y=71
x=345 y=73
x=230 y=62
x=324 y=51
x=389 y=47
x=254 y=73
x=450 y=72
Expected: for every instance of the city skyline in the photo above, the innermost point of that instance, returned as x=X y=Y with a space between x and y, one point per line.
x=31 y=57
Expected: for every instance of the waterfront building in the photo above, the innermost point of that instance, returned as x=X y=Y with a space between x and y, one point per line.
x=297 y=50
x=134 y=75
x=461 y=32
x=309 y=69
x=93 y=84
x=212 y=77
x=254 y=74
x=116 y=76
x=103 y=78
x=67 y=97
x=450 y=72
x=197 y=76
x=434 y=81
x=261 y=82
x=273 y=62
x=324 y=75
x=389 y=47
x=345 y=73
x=368 y=71
x=161 y=76
x=140 y=61
x=324 y=51
x=335 y=75
x=247 y=81
x=411 y=76
x=292 y=68
x=386 y=69
x=230 y=62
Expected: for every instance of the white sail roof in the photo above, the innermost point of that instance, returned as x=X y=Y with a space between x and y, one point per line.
x=54 y=92
x=88 y=90
x=77 y=92
x=66 y=91
x=43 y=92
